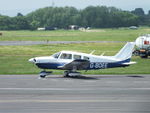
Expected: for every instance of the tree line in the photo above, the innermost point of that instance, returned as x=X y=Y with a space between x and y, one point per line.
x=62 y=17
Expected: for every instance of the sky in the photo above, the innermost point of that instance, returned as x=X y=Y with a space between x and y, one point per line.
x=12 y=7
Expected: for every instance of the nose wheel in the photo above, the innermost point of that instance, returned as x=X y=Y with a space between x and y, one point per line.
x=43 y=74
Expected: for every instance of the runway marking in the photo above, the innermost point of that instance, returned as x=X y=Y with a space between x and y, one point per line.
x=34 y=89
x=70 y=101
x=71 y=89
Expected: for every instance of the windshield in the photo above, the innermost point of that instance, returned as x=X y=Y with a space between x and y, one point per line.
x=56 y=55
x=66 y=56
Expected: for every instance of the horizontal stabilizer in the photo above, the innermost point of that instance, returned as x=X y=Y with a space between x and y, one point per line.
x=128 y=63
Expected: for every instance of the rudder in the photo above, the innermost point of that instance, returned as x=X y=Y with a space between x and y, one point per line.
x=126 y=51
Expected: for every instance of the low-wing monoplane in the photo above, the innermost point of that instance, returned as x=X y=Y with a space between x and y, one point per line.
x=71 y=61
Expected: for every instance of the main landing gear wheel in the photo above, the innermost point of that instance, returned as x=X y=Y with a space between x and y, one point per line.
x=66 y=73
x=71 y=74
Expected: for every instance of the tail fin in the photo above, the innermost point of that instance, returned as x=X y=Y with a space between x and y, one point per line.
x=126 y=51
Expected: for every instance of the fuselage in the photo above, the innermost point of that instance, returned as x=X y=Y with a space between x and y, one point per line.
x=65 y=57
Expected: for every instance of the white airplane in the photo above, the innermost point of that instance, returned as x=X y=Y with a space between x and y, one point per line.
x=73 y=61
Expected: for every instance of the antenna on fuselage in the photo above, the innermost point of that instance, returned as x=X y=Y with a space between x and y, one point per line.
x=102 y=54
x=92 y=52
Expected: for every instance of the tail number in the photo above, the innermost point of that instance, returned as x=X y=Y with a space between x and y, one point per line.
x=98 y=65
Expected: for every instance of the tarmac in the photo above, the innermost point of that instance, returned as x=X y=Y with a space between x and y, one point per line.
x=86 y=94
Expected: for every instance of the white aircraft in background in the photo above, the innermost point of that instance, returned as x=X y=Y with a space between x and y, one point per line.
x=73 y=61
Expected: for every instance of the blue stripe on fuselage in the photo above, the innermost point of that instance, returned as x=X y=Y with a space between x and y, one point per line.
x=49 y=65
x=103 y=65
x=93 y=65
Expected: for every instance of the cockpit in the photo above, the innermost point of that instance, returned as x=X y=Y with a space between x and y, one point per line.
x=62 y=55
x=56 y=55
x=67 y=55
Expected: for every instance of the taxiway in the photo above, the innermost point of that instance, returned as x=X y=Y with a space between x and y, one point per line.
x=17 y=43
x=88 y=94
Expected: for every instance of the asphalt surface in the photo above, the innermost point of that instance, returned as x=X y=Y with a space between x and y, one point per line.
x=88 y=94
x=6 y=43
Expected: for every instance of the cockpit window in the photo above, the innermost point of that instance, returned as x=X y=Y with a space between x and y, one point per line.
x=77 y=57
x=56 y=55
x=66 y=56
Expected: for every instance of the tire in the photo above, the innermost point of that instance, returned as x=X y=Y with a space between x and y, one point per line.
x=136 y=53
x=146 y=56
x=42 y=76
x=66 y=74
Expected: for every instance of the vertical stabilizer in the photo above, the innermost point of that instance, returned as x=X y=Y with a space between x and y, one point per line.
x=126 y=51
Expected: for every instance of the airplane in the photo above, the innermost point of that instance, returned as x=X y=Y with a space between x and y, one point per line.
x=72 y=61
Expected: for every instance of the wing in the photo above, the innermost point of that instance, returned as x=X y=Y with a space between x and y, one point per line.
x=78 y=64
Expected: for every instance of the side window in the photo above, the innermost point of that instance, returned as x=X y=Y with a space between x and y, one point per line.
x=77 y=57
x=86 y=58
x=66 y=56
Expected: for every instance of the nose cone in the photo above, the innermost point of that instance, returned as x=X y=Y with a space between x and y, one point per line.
x=32 y=60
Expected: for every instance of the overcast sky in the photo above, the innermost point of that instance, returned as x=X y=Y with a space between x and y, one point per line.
x=12 y=7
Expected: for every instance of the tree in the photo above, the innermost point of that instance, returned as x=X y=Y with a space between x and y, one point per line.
x=20 y=23
x=138 y=11
x=142 y=17
x=149 y=12
x=62 y=17
x=19 y=14
x=13 y=23
x=5 y=23
x=34 y=24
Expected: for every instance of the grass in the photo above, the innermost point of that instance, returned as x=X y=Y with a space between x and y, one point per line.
x=122 y=34
x=14 y=59
x=41 y=50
